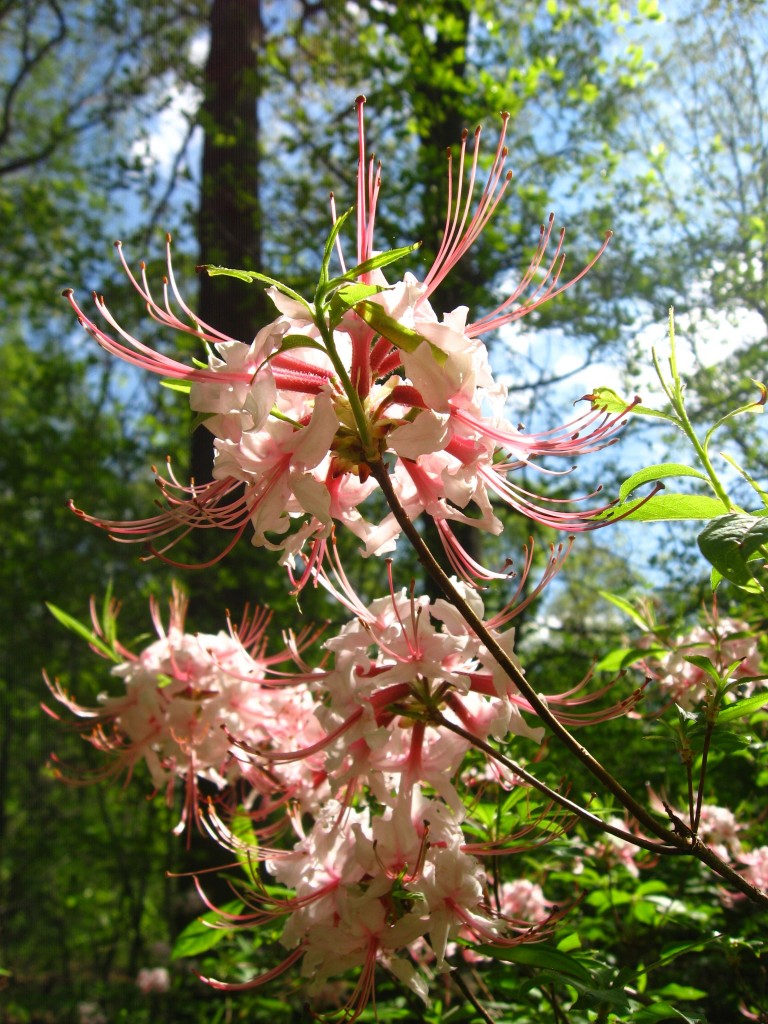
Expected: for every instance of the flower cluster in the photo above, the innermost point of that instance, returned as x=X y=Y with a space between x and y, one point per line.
x=728 y=644
x=366 y=375
x=184 y=697
x=347 y=776
x=351 y=786
x=391 y=889
x=344 y=780
x=386 y=874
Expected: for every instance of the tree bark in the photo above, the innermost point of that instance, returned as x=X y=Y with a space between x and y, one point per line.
x=229 y=219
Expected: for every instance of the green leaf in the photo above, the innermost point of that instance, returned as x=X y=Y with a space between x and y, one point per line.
x=351 y=294
x=404 y=338
x=660 y=472
x=660 y=1012
x=675 y=991
x=704 y=663
x=665 y=507
x=541 y=955
x=742 y=708
x=627 y=608
x=731 y=541
x=82 y=631
x=726 y=742
x=295 y=341
x=569 y=943
x=754 y=408
x=249 y=276
x=611 y=401
x=607 y=901
x=242 y=829
x=381 y=259
x=646 y=912
x=673 y=950
x=623 y=657
x=172 y=384
x=202 y=934
x=109 y=619
x=608 y=399
x=322 y=285
x=348 y=296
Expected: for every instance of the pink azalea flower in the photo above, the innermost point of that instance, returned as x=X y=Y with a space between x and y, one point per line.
x=525 y=901
x=522 y=903
x=185 y=695
x=757 y=867
x=610 y=849
x=753 y=865
x=719 y=829
x=297 y=428
x=380 y=891
x=153 y=979
x=405 y=669
x=726 y=642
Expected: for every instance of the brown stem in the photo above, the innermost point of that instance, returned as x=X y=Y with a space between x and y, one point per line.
x=559 y=798
x=462 y=986
x=684 y=843
x=703 y=773
x=427 y=559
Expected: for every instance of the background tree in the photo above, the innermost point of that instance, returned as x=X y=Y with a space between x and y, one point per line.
x=83 y=88
x=695 y=209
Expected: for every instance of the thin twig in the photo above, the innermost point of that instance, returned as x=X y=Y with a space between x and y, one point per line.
x=462 y=986
x=690 y=844
x=427 y=559
x=559 y=798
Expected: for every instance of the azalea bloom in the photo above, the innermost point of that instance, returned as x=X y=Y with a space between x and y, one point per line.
x=393 y=890
x=719 y=829
x=401 y=669
x=367 y=374
x=150 y=980
x=727 y=643
x=757 y=867
x=610 y=849
x=185 y=695
x=520 y=901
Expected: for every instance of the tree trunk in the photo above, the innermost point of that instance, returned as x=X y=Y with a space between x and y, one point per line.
x=229 y=220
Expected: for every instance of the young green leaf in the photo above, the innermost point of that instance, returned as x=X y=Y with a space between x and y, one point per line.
x=731 y=541
x=381 y=259
x=347 y=296
x=610 y=401
x=322 y=284
x=665 y=507
x=248 y=844
x=249 y=276
x=623 y=657
x=742 y=708
x=660 y=472
x=627 y=608
x=541 y=955
x=205 y=932
x=82 y=631
x=401 y=337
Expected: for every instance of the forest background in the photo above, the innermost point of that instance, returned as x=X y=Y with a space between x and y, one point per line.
x=227 y=123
